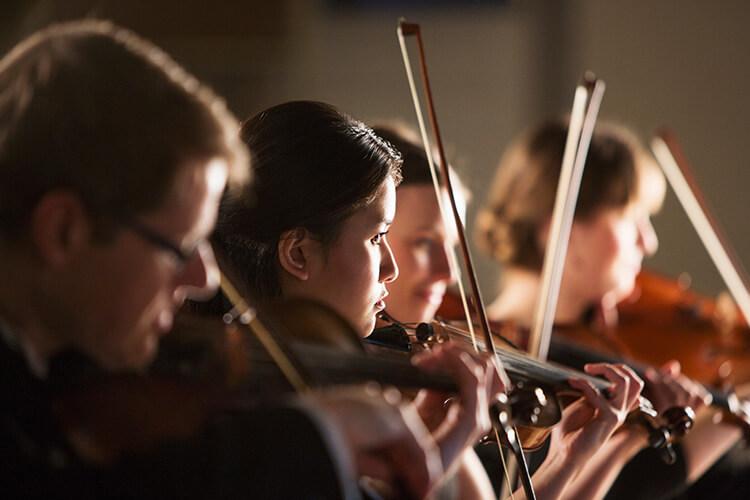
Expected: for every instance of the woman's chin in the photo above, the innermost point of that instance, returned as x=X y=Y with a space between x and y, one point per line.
x=367 y=327
x=622 y=291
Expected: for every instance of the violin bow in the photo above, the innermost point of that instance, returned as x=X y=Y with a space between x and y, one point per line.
x=248 y=316
x=586 y=104
x=411 y=29
x=403 y=30
x=673 y=162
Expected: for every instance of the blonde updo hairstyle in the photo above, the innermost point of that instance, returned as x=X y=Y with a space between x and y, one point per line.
x=522 y=195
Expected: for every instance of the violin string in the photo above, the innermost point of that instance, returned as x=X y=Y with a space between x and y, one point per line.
x=461 y=333
x=517 y=362
x=532 y=364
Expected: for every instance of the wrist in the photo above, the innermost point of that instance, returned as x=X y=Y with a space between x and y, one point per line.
x=555 y=474
x=454 y=438
x=628 y=441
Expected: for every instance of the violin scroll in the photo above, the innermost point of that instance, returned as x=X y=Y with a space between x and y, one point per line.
x=680 y=419
x=663 y=431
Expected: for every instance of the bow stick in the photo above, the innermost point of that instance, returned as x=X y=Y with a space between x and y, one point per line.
x=674 y=164
x=586 y=103
x=510 y=434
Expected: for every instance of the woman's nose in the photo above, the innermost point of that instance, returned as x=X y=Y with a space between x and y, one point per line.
x=388 y=266
x=647 y=238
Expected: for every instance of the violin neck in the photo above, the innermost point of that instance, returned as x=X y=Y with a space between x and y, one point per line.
x=580 y=355
x=723 y=400
x=521 y=366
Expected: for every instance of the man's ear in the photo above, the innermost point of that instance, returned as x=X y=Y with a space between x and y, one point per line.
x=296 y=250
x=59 y=227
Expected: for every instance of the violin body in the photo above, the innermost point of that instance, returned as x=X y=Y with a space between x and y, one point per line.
x=659 y=322
x=189 y=428
x=205 y=369
x=662 y=320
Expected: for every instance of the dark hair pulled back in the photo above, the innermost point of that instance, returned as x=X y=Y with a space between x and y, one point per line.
x=313 y=167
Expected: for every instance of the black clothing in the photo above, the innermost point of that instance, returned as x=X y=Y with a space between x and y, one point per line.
x=727 y=479
x=646 y=475
x=260 y=453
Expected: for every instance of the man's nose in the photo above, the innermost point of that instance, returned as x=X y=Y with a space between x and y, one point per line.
x=200 y=277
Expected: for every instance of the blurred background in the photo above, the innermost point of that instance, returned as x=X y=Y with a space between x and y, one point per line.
x=496 y=66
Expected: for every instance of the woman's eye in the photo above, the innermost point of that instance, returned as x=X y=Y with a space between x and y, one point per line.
x=378 y=238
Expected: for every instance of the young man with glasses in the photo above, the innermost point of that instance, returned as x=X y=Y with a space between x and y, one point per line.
x=112 y=163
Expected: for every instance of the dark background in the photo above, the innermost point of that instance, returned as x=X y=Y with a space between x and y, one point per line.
x=497 y=67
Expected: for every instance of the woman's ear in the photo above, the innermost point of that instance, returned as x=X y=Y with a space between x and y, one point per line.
x=59 y=227
x=296 y=250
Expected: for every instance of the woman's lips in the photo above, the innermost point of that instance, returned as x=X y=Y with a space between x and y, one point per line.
x=380 y=304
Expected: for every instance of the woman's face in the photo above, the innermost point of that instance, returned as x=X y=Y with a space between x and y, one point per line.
x=350 y=274
x=605 y=253
x=421 y=245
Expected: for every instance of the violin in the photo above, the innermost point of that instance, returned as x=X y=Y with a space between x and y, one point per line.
x=663 y=319
x=331 y=353
x=659 y=322
x=206 y=367
x=710 y=352
x=536 y=380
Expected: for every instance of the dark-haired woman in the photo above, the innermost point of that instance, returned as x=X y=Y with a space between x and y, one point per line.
x=611 y=235
x=315 y=226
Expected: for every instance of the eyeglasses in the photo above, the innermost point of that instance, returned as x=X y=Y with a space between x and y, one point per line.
x=153 y=237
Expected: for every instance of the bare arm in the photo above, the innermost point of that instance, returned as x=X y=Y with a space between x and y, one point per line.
x=595 y=480
x=707 y=442
x=472 y=479
x=586 y=426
